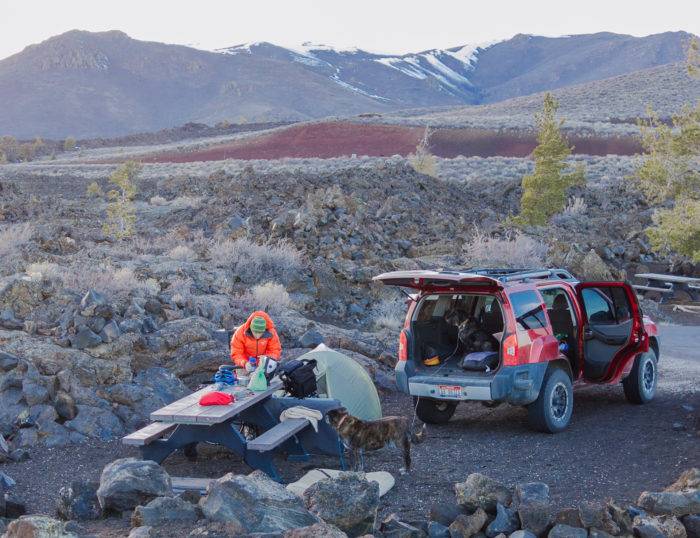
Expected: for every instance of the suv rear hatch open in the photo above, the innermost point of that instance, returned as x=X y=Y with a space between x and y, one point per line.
x=451 y=308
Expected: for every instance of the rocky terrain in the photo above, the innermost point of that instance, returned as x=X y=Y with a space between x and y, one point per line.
x=102 y=326
x=95 y=333
x=88 y=85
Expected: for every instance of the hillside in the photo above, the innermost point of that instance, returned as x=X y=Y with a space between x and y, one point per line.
x=105 y=84
x=88 y=85
x=606 y=107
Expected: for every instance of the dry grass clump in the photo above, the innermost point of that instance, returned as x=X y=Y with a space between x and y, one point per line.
x=80 y=276
x=513 y=250
x=182 y=253
x=185 y=202
x=389 y=314
x=44 y=270
x=575 y=207
x=270 y=296
x=12 y=239
x=177 y=244
x=256 y=263
x=422 y=160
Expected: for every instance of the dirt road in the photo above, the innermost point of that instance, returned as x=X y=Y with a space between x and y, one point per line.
x=612 y=448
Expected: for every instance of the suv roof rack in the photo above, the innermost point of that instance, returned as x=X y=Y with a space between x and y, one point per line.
x=511 y=275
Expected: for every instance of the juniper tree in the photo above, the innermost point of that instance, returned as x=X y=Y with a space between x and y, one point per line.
x=693 y=62
x=545 y=190
x=670 y=175
x=121 y=213
x=69 y=144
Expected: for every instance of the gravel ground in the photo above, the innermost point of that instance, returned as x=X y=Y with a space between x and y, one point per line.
x=612 y=448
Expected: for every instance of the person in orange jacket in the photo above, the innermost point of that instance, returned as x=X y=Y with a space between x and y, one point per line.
x=257 y=337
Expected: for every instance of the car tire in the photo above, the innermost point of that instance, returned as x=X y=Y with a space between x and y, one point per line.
x=434 y=411
x=551 y=411
x=640 y=384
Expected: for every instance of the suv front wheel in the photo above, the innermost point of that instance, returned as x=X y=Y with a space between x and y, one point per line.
x=434 y=411
x=640 y=384
x=551 y=411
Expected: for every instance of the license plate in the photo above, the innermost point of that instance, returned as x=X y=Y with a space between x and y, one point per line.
x=450 y=391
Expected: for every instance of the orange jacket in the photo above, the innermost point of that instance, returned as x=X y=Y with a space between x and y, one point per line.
x=244 y=345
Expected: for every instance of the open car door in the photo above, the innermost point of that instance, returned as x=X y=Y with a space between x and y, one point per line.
x=612 y=329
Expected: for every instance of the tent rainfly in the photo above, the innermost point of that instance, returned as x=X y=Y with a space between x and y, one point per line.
x=340 y=377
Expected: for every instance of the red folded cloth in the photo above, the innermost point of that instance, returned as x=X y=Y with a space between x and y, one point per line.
x=217 y=398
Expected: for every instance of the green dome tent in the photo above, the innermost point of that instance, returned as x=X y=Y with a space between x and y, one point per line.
x=342 y=378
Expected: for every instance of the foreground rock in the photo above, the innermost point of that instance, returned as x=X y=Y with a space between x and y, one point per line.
x=564 y=531
x=255 y=503
x=674 y=503
x=79 y=501
x=348 y=502
x=163 y=510
x=466 y=526
x=37 y=527
x=128 y=482
x=318 y=530
x=479 y=491
x=658 y=526
x=506 y=521
x=534 y=506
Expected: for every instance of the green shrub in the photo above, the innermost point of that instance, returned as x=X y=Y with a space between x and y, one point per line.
x=121 y=213
x=670 y=174
x=545 y=190
x=677 y=229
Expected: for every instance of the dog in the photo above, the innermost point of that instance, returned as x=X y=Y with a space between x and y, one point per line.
x=359 y=435
x=469 y=331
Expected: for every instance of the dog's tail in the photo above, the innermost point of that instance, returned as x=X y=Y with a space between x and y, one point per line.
x=420 y=435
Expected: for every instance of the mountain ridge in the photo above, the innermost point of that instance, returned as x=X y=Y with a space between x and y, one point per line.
x=105 y=84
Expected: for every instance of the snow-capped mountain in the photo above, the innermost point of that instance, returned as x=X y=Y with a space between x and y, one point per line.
x=87 y=84
x=414 y=79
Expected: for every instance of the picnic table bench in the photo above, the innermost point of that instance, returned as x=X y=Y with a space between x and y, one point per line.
x=185 y=422
x=668 y=285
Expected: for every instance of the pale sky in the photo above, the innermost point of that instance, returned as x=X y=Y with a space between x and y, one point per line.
x=392 y=26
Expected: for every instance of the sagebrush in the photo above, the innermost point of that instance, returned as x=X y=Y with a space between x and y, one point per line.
x=254 y=263
x=513 y=250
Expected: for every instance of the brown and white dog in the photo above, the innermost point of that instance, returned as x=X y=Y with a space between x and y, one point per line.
x=359 y=435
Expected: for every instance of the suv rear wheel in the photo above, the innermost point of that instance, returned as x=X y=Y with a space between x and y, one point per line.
x=640 y=384
x=434 y=411
x=551 y=411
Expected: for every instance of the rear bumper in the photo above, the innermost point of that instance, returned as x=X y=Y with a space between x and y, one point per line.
x=518 y=385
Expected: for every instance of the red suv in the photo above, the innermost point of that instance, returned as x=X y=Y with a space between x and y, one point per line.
x=520 y=336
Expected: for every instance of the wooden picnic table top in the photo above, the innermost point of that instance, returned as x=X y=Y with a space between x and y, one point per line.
x=188 y=411
x=668 y=278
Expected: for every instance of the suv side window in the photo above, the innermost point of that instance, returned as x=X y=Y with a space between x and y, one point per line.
x=607 y=306
x=599 y=307
x=527 y=307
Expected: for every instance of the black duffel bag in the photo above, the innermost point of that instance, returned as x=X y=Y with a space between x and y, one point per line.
x=298 y=377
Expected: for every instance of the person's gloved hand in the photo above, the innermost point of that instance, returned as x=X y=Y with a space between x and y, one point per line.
x=250 y=366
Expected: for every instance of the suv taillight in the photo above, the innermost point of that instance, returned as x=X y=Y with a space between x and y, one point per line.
x=510 y=350
x=403 y=346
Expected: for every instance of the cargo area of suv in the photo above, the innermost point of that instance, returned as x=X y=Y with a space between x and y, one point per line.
x=460 y=332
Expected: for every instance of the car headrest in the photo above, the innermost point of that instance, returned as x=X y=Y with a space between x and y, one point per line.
x=560 y=303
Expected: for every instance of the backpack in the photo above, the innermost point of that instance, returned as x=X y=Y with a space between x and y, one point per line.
x=298 y=377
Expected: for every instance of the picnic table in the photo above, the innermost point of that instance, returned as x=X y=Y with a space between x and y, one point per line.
x=667 y=286
x=185 y=422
